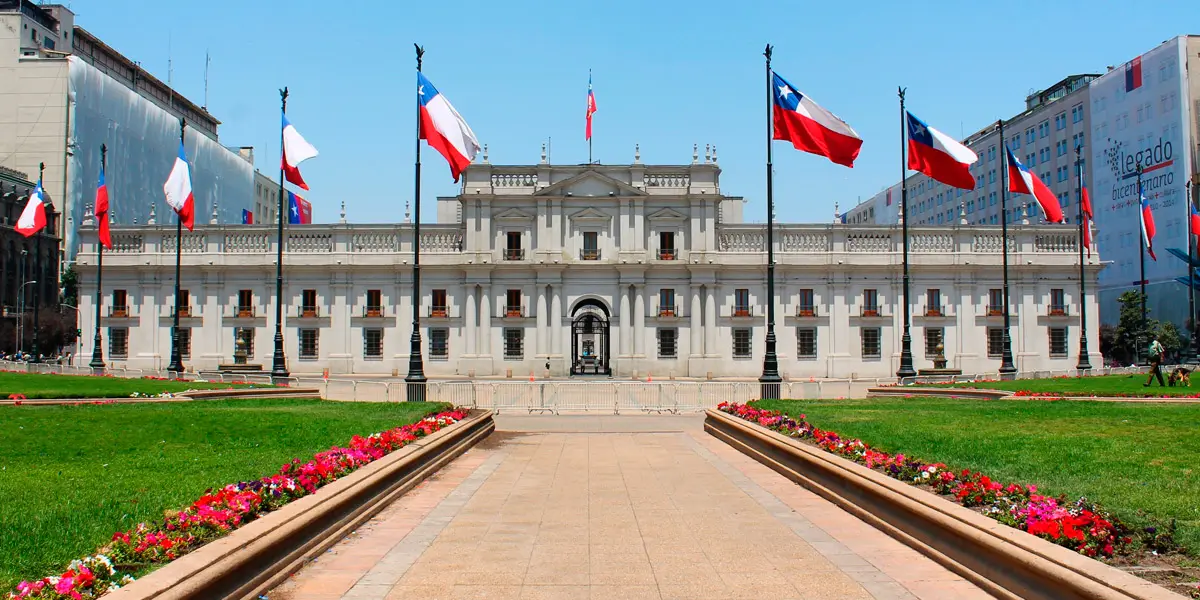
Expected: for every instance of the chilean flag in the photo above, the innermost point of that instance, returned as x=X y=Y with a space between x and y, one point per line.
x=299 y=210
x=295 y=151
x=1148 y=227
x=1087 y=220
x=811 y=128
x=178 y=189
x=247 y=217
x=937 y=155
x=1022 y=181
x=102 y=211
x=33 y=218
x=591 y=109
x=1195 y=219
x=444 y=129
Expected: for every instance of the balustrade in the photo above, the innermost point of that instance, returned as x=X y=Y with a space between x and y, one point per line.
x=192 y=243
x=668 y=180
x=248 y=242
x=1056 y=242
x=375 y=241
x=510 y=180
x=310 y=242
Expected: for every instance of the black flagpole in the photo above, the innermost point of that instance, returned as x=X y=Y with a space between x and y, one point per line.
x=1142 y=264
x=416 y=367
x=1007 y=368
x=1083 y=365
x=98 y=344
x=770 y=376
x=176 y=365
x=906 y=357
x=1192 y=346
x=279 y=360
x=37 y=267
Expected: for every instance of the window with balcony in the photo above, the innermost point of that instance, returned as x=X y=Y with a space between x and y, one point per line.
x=437 y=304
x=871 y=346
x=806 y=342
x=995 y=302
x=668 y=338
x=308 y=343
x=513 y=250
x=514 y=343
x=1058 y=302
x=1058 y=342
x=666 y=245
x=185 y=303
x=934 y=337
x=591 y=246
x=118 y=342
x=308 y=303
x=742 y=342
x=513 y=307
x=439 y=343
x=807 y=307
x=245 y=303
x=995 y=342
x=741 y=302
x=374 y=303
x=666 y=303
x=933 y=302
x=373 y=343
x=120 y=304
x=870 y=305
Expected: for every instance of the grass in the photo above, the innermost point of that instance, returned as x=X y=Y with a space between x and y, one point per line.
x=1128 y=457
x=32 y=385
x=71 y=476
x=1099 y=385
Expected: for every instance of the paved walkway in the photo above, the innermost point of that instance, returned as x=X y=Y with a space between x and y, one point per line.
x=630 y=507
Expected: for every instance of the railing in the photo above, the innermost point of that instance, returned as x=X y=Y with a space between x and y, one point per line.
x=184 y=312
x=508 y=180
x=870 y=311
x=192 y=243
x=308 y=312
x=247 y=242
x=666 y=254
x=514 y=254
x=375 y=241
x=671 y=180
x=742 y=312
x=243 y=312
x=934 y=311
x=514 y=311
x=439 y=312
x=372 y=312
x=666 y=310
x=805 y=311
x=442 y=242
x=310 y=242
x=589 y=254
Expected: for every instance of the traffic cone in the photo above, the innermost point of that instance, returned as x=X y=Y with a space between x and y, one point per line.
x=649 y=377
x=531 y=376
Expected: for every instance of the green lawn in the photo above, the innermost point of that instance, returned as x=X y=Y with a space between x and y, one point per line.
x=71 y=476
x=1100 y=385
x=1128 y=457
x=85 y=386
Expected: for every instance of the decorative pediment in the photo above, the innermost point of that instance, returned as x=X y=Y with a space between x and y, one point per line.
x=591 y=215
x=590 y=184
x=512 y=214
x=667 y=214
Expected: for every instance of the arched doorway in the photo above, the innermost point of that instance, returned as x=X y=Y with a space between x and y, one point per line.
x=590 y=339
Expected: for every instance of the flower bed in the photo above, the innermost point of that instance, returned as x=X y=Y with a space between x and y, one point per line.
x=1079 y=525
x=219 y=512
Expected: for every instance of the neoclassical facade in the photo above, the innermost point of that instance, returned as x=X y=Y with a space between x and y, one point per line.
x=629 y=270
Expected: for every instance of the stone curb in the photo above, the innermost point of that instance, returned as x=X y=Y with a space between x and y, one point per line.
x=936 y=392
x=1003 y=561
x=259 y=556
x=239 y=393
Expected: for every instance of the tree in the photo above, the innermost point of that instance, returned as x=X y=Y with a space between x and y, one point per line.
x=1169 y=336
x=1131 y=333
x=70 y=286
x=1108 y=343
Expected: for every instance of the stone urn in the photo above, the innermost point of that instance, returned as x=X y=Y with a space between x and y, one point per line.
x=239 y=354
x=939 y=360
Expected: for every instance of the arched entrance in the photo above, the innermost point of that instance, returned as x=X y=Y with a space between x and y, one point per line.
x=590 y=339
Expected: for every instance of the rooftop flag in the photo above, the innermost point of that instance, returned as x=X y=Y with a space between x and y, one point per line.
x=811 y=128
x=1022 y=181
x=299 y=210
x=938 y=155
x=295 y=151
x=444 y=129
x=178 y=189
x=591 y=107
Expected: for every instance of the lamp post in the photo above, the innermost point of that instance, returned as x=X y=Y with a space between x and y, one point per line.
x=1007 y=369
x=176 y=365
x=97 y=363
x=416 y=368
x=279 y=359
x=770 y=379
x=1083 y=365
x=906 y=357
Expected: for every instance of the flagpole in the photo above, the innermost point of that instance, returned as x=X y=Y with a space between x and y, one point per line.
x=1083 y=365
x=37 y=267
x=770 y=376
x=1142 y=262
x=176 y=365
x=589 y=116
x=1007 y=369
x=416 y=367
x=1192 y=346
x=279 y=359
x=97 y=363
x=906 y=357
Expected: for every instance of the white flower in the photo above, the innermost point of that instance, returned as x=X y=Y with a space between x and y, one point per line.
x=925 y=475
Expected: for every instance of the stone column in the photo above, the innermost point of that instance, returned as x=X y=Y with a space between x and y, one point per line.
x=556 y=320
x=626 y=320
x=695 y=330
x=639 y=320
x=710 y=319
x=469 y=326
x=485 y=320
x=542 y=322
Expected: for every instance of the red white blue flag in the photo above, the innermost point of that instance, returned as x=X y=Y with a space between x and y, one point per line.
x=938 y=155
x=102 y=210
x=295 y=151
x=1023 y=181
x=444 y=129
x=178 y=189
x=247 y=217
x=299 y=210
x=33 y=218
x=1086 y=201
x=1148 y=226
x=591 y=107
x=810 y=128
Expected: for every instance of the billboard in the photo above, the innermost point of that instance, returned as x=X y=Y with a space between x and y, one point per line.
x=1140 y=116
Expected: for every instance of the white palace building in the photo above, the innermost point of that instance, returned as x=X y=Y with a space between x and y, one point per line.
x=629 y=270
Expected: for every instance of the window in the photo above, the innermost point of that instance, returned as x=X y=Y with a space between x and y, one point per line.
x=1058 y=342
x=373 y=343
x=991 y=153
x=667 y=342
x=1031 y=159
x=591 y=249
x=807 y=308
x=1061 y=146
x=1044 y=128
x=1030 y=135
x=120 y=304
x=933 y=302
x=666 y=245
x=118 y=342
x=1016 y=141
x=513 y=251
x=1077 y=113
x=1060 y=121
x=870 y=306
x=995 y=342
x=1058 y=302
x=992 y=202
x=666 y=302
x=374 y=303
x=741 y=342
x=871 y=342
x=246 y=335
x=806 y=342
x=308 y=343
x=741 y=302
x=245 y=303
x=514 y=343
x=308 y=303
x=995 y=302
x=512 y=307
x=933 y=338
x=437 y=303
x=185 y=342
x=992 y=176
x=439 y=343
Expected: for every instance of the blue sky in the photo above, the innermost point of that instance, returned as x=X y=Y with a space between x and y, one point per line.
x=667 y=75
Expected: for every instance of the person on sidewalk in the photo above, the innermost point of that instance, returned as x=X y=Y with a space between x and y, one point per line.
x=1156 y=358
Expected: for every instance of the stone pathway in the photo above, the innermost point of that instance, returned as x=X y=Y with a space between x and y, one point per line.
x=630 y=507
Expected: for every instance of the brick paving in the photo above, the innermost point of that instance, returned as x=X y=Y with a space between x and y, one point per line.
x=630 y=507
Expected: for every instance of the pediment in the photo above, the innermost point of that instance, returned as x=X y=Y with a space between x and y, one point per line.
x=591 y=214
x=667 y=214
x=590 y=184
x=513 y=214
